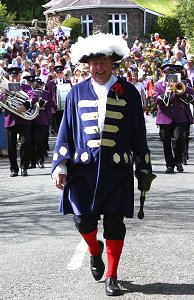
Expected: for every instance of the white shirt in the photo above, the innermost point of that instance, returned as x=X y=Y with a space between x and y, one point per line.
x=59 y=81
x=101 y=91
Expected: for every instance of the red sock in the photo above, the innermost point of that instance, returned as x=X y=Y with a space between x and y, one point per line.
x=91 y=240
x=113 y=250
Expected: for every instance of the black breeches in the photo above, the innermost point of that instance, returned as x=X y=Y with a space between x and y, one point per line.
x=56 y=120
x=113 y=225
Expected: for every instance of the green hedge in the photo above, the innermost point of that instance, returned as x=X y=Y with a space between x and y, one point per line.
x=168 y=27
x=75 y=26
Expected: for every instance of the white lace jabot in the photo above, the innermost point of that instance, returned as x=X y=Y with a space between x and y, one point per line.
x=102 y=92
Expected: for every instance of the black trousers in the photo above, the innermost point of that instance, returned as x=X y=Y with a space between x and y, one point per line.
x=186 y=143
x=173 y=138
x=38 y=137
x=24 y=132
x=113 y=225
x=56 y=120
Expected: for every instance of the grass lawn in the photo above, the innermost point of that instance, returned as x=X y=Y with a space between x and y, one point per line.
x=162 y=6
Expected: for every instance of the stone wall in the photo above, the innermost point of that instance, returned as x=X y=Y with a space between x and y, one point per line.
x=100 y=20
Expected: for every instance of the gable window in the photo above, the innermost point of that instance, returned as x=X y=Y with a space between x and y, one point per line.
x=117 y=23
x=87 y=24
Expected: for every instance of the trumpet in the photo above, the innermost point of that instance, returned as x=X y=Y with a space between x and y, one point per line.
x=178 y=88
x=13 y=99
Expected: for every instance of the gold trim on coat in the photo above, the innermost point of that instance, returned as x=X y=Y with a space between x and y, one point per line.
x=101 y=142
x=115 y=102
x=116 y=158
x=114 y=114
x=110 y=128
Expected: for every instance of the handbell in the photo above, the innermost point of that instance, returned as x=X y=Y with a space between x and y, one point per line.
x=144 y=184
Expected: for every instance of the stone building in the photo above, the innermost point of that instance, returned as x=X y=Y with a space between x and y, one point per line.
x=109 y=16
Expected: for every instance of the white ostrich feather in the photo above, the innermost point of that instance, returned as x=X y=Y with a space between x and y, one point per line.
x=100 y=43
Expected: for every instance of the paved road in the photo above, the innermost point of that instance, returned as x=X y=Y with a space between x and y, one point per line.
x=43 y=257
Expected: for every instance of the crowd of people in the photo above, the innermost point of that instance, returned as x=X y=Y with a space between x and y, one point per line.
x=44 y=63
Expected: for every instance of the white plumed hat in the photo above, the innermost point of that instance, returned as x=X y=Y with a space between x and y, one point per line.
x=99 y=44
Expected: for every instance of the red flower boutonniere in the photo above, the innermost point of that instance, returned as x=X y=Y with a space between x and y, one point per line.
x=117 y=89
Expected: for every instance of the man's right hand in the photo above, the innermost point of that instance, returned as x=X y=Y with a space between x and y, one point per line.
x=59 y=180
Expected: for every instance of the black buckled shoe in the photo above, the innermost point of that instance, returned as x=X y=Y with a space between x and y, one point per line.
x=111 y=287
x=96 y=263
x=13 y=174
x=32 y=166
x=170 y=170
x=179 y=168
x=41 y=165
x=24 y=172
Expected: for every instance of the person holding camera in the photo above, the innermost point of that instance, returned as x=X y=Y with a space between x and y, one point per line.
x=172 y=95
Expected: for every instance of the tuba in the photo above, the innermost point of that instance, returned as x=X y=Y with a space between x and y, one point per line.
x=13 y=99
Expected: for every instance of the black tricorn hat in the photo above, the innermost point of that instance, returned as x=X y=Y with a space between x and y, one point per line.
x=174 y=68
x=58 y=68
x=86 y=58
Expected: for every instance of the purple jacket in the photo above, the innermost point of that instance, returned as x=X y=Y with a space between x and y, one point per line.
x=176 y=111
x=12 y=119
x=44 y=115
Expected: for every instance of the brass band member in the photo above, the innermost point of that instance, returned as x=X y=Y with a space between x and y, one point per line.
x=58 y=89
x=173 y=114
x=39 y=125
x=17 y=125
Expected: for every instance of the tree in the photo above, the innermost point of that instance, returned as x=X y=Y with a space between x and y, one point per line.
x=184 y=12
x=6 y=19
x=26 y=10
x=75 y=25
x=168 y=27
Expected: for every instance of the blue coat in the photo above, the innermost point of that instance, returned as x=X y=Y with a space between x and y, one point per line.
x=100 y=167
